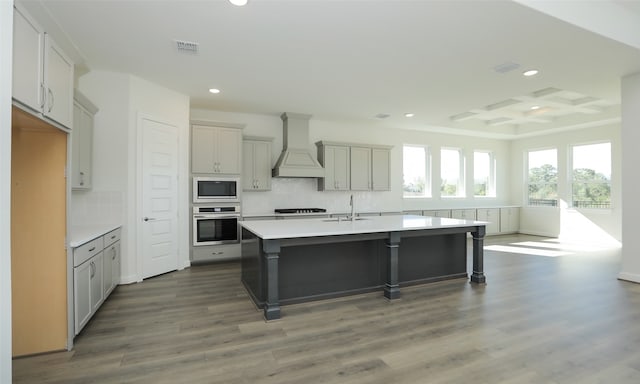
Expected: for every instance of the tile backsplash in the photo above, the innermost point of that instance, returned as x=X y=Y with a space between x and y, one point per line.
x=97 y=207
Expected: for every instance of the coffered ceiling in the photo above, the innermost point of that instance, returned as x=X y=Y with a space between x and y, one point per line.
x=456 y=65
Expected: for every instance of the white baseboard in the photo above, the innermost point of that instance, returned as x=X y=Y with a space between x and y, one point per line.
x=537 y=233
x=633 y=277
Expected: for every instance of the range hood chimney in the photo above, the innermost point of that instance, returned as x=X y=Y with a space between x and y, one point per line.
x=296 y=160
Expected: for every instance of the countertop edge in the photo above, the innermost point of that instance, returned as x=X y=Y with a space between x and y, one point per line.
x=83 y=234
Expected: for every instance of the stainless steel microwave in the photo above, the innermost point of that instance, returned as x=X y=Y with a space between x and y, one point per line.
x=216 y=189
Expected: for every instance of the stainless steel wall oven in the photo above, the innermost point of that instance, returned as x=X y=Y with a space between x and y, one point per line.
x=214 y=225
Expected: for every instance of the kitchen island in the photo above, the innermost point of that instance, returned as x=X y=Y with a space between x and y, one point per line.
x=293 y=261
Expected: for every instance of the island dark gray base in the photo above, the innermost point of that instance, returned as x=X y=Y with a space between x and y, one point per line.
x=286 y=271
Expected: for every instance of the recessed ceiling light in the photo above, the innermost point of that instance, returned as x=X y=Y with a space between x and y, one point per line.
x=214 y=90
x=409 y=115
x=239 y=3
x=535 y=107
x=531 y=72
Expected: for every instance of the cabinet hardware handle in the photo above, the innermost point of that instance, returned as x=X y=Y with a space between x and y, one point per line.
x=92 y=249
x=149 y=219
x=42 y=98
x=93 y=269
x=113 y=237
x=51 y=99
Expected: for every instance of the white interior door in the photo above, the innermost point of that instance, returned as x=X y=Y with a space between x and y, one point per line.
x=159 y=197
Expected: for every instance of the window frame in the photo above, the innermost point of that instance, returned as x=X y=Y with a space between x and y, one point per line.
x=491 y=182
x=571 y=181
x=461 y=187
x=527 y=199
x=427 y=170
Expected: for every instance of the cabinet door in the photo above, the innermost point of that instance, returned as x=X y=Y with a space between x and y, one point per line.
x=97 y=282
x=339 y=167
x=203 y=149
x=248 y=176
x=82 y=294
x=492 y=215
x=437 y=213
x=381 y=169
x=465 y=214
x=360 y=165
x=28 y=40
x=509 y=220
x=111 y=265
x=262 y=165
x=228 y=148
x=58 y=80
x=107 y=272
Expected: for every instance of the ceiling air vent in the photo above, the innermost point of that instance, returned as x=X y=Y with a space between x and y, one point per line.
x=187 y=46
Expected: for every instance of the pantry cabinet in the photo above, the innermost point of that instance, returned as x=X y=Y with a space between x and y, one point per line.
x=42 y=72
x=256 y=164
x=335 y=160
x=215 y=150
x=82 y=142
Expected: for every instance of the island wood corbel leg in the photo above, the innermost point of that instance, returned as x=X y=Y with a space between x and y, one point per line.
x=271 y=254
x=478 y=255
x=392 y=288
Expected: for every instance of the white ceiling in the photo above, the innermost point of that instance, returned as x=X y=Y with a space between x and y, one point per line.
x=351 y=60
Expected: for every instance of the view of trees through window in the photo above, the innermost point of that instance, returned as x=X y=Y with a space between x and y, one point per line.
x=591 y=182
x=543 y=177
x=414 y=169
x=451 y=172
x=483 y=174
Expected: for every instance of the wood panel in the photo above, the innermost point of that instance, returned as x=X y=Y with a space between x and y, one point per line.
x=38 y=229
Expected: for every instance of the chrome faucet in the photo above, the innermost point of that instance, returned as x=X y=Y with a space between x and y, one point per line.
x=353 y=210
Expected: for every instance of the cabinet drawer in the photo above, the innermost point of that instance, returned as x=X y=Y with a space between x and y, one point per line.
x=87 y=251
x=111 y=237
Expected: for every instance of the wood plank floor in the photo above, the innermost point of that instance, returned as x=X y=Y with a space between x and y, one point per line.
x=558 y=318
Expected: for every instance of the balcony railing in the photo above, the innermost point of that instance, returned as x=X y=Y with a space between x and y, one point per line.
x=543 y=202
x=591 y=204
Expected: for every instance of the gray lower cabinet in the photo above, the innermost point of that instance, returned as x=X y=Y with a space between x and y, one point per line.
x=491 y=215
x=96 y=272
x=465 y=214
x=437 y=213
x=509 y=220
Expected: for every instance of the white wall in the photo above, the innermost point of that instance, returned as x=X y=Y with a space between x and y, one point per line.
x=6 y=44
x=294 y=192
x=121 y=98
x=565 y=222
x=630 y=269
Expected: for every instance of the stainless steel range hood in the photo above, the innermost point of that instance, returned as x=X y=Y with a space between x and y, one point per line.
x=296 y=160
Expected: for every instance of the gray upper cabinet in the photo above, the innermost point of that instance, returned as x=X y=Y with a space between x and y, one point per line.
x=335 y=160
x=381 y=169
x=82 y=142
x=42 y=72
x=256 y=164
x=360 y=168
x=215 y=150
x=355 y=167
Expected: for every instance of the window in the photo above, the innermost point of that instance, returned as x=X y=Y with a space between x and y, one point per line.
x=451 y=173
x=484 y=181
x=415 y=169
x=543 y=178
x=591 y=181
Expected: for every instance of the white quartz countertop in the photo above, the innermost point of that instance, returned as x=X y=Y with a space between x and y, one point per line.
x=85 y=233
x=286 y=229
